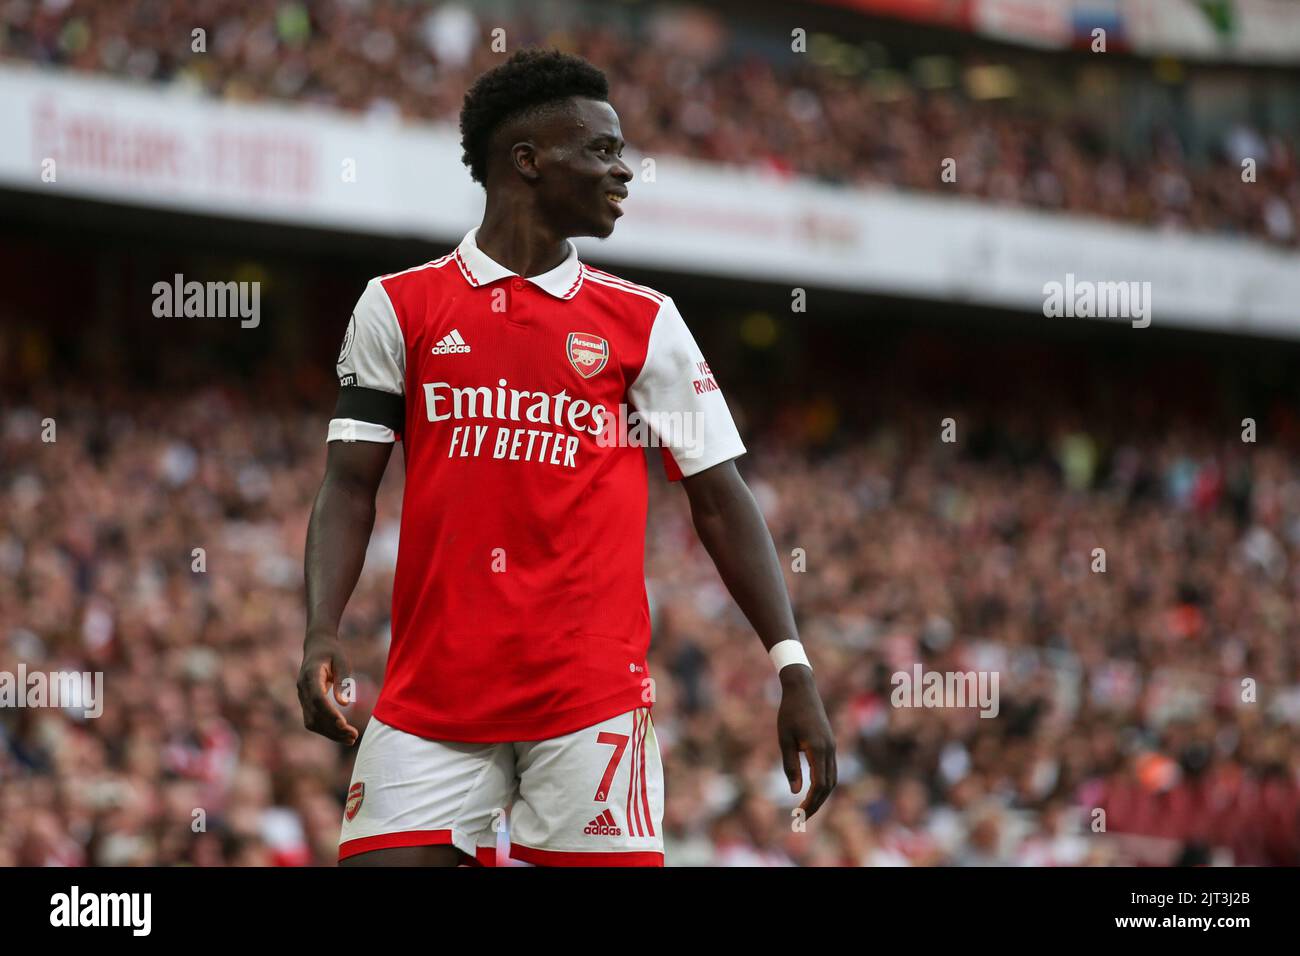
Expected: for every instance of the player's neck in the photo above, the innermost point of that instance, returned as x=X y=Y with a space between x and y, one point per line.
x=520 y=243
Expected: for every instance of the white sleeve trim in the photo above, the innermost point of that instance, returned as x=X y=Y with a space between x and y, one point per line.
x=349 y=429
x=693 y=466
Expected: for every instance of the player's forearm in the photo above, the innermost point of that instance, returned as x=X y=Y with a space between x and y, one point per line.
x=732 y=530
x=337 y=535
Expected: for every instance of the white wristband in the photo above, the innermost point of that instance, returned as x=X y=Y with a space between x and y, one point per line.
x=784 y=653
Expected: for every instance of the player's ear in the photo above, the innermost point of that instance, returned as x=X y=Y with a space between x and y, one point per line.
x=524 y=156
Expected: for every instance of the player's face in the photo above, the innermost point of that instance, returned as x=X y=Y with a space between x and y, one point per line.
x=584 y=180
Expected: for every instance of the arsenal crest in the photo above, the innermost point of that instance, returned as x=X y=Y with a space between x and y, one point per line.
x=355 y=795
x=587 y=353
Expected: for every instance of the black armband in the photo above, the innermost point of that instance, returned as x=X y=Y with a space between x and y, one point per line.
x=371 y=405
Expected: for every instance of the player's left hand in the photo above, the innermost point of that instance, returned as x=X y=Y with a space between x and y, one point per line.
x=802 y=727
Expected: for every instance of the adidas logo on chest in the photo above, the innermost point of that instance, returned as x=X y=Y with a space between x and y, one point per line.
x=450 y=344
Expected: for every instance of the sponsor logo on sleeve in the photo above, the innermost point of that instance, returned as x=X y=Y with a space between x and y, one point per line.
x=705 y=383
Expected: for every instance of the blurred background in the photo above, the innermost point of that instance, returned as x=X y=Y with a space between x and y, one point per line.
x=791 y=195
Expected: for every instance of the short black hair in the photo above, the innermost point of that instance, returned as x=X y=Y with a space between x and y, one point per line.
x=529 y=80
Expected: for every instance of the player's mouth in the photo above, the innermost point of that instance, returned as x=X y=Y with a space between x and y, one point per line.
x=615 y=199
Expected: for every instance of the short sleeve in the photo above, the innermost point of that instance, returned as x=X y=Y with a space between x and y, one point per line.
x=679 y=399
x=372 y=372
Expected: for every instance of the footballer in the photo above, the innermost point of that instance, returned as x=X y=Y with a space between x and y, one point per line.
x=517 y=675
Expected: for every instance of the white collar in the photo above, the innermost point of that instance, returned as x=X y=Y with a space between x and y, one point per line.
x=479 y=269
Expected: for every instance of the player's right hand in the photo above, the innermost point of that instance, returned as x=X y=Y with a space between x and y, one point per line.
x=321 y=690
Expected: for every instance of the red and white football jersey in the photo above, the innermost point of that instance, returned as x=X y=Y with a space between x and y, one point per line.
x=519 y=603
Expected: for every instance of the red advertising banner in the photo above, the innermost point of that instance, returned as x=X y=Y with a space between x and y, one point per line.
x=1245 y=31
x=949 y=13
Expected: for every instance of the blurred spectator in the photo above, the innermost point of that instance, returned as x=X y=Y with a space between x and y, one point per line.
x=1122 y=735
x=684 y=87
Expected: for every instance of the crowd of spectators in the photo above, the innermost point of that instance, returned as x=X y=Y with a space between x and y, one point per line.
x=1148 y=704
x=682 y=90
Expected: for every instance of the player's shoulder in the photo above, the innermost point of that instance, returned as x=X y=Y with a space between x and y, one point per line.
x=417 y=276
x=407 y=290
x=627 y=293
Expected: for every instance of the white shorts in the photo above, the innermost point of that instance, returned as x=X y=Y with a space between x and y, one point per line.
x=594 y=797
